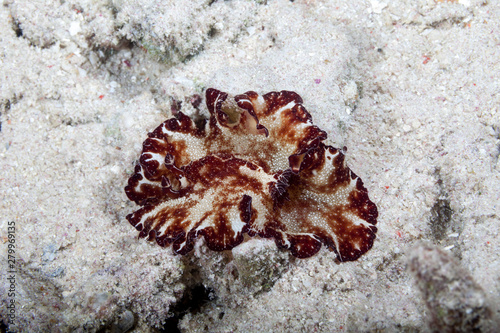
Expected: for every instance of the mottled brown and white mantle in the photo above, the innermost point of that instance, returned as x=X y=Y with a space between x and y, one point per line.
x=257 y=166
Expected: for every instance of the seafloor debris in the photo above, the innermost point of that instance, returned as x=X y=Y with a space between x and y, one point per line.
x=456 y=302
x=258 y=166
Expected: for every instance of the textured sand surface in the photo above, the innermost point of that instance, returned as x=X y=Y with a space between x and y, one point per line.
x=411 y=88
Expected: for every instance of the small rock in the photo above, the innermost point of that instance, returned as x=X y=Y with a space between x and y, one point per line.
x=456 y=302
x=74 y=28
x=124 y=323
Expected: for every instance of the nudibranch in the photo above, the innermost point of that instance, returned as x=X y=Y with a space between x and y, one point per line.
x=257 y=166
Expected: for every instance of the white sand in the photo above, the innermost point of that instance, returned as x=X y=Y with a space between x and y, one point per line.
x=411 y=88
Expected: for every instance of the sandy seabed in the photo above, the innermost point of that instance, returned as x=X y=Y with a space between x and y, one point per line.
x=411 y=88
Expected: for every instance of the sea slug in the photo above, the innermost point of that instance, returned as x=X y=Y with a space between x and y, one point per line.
x=257 y=166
